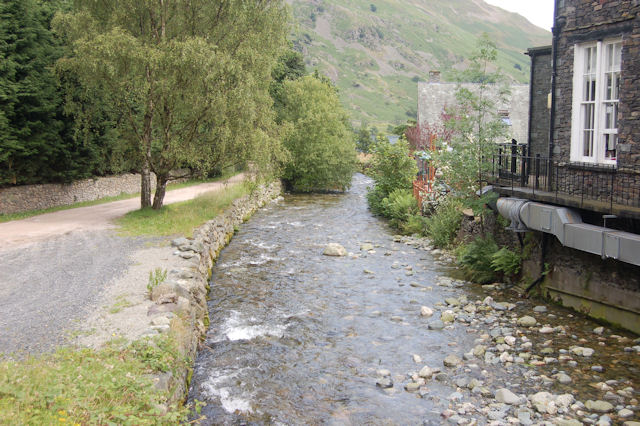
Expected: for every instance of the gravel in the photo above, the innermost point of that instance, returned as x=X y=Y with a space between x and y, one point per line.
x=48 y=288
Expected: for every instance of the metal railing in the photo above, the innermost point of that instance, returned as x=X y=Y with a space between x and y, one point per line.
x=606 y=185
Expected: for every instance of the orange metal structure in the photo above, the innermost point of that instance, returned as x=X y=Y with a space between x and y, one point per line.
x=423 y=184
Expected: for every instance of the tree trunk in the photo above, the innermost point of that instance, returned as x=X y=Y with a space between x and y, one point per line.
x=145 y=184
x=161 y=189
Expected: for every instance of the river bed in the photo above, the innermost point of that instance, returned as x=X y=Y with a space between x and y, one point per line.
x=296 y=337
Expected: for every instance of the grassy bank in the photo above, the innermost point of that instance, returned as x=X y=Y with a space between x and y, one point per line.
x=181 y=218
x=7 y=217
x=108 y=386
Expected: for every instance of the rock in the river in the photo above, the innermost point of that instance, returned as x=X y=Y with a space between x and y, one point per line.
x=479 y=351
x=366 y=246
x=436 y=325
x=452 y=361
x=585 y=352
x=447 y=316
x=426 y=372
x=526 y=321
x=563 y=378
x=334 y=249
x=505 y=396
x=599 y=406
x=546 y=330
x=452 y=301
x=544 y=403
x=416 y=358
x=540 y=309
x=426 y=311
x=412 y=387
x=383 y=372
x=384 y=383
x=598 y=330
x=625 y=413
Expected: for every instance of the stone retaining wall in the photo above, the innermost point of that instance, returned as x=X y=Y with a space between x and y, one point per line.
x=185 y=291
x=18 y=199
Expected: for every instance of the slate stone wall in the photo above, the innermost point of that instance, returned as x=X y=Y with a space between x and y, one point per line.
x=580 y=21
x=540 y=86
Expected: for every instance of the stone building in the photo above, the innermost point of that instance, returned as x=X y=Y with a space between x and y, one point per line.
x=435 y=97
x=578 y=178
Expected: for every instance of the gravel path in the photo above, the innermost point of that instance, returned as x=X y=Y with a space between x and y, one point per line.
x=48 y=288
x=55 y=267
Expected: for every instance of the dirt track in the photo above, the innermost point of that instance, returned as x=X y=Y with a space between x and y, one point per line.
x=93 y=218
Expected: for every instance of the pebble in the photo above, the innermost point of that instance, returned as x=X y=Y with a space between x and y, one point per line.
x=426 y=311
x=599 y=406
x=540 y=309
x=526 y=321
x=505 y=396
x=384 y=383
x=436 y=325
x=452 y=361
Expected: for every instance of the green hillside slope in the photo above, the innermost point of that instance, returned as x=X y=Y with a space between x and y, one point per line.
x=377 y=50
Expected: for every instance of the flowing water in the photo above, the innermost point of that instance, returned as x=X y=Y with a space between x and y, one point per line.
x=297 y=337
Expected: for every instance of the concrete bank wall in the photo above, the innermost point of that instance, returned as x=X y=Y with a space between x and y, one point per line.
x=22 y=198
x=185 y=291
x=606 y=290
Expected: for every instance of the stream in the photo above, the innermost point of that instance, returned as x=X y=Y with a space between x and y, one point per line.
x=296 y=337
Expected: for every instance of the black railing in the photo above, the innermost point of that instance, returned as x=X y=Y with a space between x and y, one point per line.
x=602 y=186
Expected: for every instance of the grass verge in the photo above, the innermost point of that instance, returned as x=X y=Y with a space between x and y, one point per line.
x=7 y=217
x=181 y=218
x=107 y=386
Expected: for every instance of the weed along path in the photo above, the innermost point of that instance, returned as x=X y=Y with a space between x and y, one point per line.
x=386 y=334
x=54 y=268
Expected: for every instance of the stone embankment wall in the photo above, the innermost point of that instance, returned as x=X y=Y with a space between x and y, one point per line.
x=184 y=293
x=18 y=199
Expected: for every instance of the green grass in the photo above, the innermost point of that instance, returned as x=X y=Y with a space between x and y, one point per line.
x=181 y=218
x=108 y=386
x=7 y=217
x=121 y=303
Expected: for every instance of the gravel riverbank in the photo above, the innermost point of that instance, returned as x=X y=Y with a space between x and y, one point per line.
x=531 y=364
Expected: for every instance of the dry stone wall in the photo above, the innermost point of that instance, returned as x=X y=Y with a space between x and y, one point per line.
x=183 y=296
x=18 y=199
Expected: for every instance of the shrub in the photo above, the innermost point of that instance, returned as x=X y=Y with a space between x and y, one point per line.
x=506 y=261
x=442 y=226
x=321 y=143
x=475 y=259
x=398 y=207
x=393 y=168
x=415 y=225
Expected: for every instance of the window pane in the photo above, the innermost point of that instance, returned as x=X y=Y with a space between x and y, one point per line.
x=587 y=129
x=610 y=142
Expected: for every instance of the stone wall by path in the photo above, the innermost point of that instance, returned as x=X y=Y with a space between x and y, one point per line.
x=16 y=199
x=180 y=303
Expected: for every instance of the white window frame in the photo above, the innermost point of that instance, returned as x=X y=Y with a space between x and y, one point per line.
x=600 y=132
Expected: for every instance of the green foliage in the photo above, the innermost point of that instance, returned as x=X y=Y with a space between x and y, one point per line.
x=393 y=166
x=191 y=81
x=290 y=66
x=320 y=141
x=476 y=259
x=364 y=139
x=156 y=278
x=474 y=124
x=416 y=224
x=398 y=207
x=506 y=261
x=109 y=386
x=443 y=224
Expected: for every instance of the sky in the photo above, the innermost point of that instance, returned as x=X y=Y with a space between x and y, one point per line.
x=539 y=12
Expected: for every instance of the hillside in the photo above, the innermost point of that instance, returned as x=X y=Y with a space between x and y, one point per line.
x=377 y=50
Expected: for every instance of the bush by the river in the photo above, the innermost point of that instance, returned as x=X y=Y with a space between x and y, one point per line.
x=393 y=168
x=320 y=141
